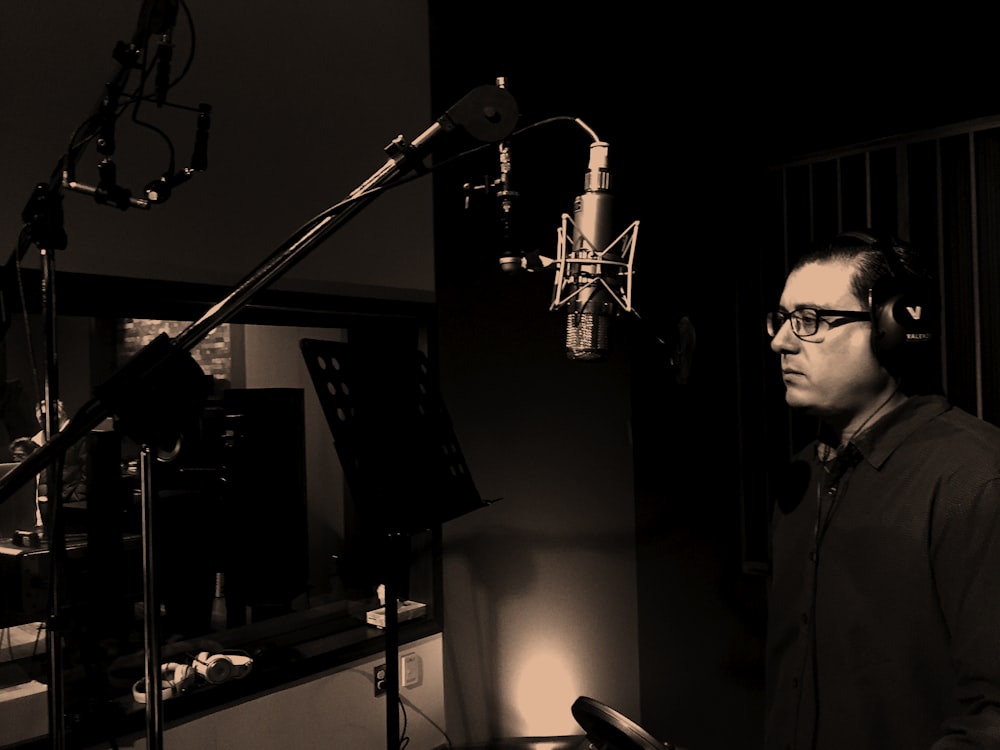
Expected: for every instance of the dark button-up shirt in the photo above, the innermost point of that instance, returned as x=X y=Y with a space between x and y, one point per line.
x=884 y=611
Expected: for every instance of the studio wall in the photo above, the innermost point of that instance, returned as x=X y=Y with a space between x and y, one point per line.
x=304 y=99
x=540 y=589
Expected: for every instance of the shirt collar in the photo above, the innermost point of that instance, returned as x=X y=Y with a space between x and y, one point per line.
x=879 y=441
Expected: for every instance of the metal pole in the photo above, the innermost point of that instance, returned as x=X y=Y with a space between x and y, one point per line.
x=52 y=519
x=151 y=607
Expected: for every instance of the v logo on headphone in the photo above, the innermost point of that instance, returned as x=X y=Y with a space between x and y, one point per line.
x=915 y=312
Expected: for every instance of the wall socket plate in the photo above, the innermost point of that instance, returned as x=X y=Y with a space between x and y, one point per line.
x=410 y=672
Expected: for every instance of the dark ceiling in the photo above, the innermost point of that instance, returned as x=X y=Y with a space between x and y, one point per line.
x=773 y=88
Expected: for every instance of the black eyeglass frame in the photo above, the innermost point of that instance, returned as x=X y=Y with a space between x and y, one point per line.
x=847 y=316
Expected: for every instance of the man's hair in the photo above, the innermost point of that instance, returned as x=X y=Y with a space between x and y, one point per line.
x=868 y=251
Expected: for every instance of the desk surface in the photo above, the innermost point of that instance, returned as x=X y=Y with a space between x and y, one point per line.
x=25 y=574
x=74 y=542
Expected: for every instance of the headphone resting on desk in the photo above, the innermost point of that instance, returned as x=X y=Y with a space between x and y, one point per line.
x=215 y=669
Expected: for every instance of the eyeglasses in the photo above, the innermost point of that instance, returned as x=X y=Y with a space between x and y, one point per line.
x=805 y=320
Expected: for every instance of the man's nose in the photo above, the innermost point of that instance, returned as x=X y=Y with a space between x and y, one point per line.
x=784 y=340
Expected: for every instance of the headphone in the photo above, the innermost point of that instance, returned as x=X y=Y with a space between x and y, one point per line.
x=219 y=668
x=175 y=678
x=904 y=308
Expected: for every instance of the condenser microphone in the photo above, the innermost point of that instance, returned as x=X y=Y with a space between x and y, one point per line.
x=594 y=270
x=587 y=269
x=509 y=257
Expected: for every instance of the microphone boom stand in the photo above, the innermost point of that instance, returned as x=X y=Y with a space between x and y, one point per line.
x=43 y=216
x=488 y=113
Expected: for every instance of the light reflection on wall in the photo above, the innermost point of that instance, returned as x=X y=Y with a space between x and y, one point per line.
x=546 y=682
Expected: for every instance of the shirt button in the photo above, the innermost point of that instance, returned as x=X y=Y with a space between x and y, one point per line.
x=832 y=490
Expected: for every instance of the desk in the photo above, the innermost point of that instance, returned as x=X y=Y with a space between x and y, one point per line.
x=25 y=575
x=25 y=712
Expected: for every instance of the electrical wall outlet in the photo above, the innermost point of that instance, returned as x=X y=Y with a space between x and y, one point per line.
x=379 y=674
x=410 y=672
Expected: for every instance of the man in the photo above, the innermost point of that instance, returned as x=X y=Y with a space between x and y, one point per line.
x=884 y=599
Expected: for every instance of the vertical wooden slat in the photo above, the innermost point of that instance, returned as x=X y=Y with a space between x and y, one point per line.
x=840 y=195
x=974 y=266
x=959 y=312
x=939 y=190
x=902 y=192
x=987 y=160
x=868 y=188
x=812 y=204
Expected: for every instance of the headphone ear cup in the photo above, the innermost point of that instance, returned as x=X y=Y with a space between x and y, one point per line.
x=219 y=668
x=242 y=663
x=214 y=668
x=899 y=318
x=887 y=333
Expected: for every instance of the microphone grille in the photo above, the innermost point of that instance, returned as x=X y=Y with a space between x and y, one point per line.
x=587 y=336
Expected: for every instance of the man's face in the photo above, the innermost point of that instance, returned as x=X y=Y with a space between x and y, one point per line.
x=834 y=373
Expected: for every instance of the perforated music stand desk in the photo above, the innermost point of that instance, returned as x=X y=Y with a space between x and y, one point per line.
x=400 y=456
x=393 y=436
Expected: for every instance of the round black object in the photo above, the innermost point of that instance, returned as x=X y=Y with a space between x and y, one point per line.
x=609 y=730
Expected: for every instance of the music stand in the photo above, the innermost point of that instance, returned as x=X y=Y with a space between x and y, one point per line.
x=400 y=456
x=609 y=730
